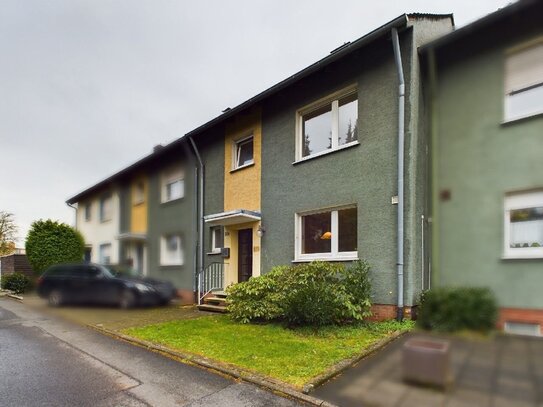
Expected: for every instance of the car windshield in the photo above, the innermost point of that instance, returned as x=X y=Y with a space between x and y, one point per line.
x=121 y=271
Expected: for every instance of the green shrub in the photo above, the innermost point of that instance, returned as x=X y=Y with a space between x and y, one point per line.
x=450 y=309
x=317 y=294
x=16 y=282
x=260 y=298
x=49 y=243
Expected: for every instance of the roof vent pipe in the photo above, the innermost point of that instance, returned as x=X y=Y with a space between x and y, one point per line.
x=401 y=125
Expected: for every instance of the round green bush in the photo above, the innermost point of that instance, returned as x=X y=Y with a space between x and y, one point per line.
x=16 y=282
x=50 y=242
x=450 y=309
x=317 y=293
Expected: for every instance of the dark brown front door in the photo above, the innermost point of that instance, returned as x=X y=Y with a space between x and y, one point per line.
x=245 y=254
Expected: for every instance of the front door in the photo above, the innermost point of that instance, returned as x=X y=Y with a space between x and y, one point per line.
x=245 y=254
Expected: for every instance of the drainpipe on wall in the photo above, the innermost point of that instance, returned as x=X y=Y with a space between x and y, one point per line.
x=401 y=120
x=200 y=243
x=75 y=209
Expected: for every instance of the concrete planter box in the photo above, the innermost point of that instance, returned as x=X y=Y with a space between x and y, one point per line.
x=427 y=361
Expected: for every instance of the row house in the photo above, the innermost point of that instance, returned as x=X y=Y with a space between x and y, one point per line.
x=329 y=164
x=484 y=87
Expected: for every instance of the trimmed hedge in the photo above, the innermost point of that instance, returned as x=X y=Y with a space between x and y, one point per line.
x=49 y=243
x=449 y=309
x=16 y=282
x=317 y=293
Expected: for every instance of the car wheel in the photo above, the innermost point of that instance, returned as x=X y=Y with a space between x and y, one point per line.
x=128 y=299
x=56 y=298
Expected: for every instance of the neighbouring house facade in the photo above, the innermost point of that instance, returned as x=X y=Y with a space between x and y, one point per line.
x=485 y=92
x=143 y=218
x=98 y=219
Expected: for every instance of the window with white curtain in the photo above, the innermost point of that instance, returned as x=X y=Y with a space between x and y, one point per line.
x=523 y=225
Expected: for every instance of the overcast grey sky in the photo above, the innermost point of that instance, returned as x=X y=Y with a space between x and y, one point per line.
x=88 y=87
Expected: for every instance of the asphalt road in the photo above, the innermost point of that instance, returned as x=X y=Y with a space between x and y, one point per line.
x=48 y=362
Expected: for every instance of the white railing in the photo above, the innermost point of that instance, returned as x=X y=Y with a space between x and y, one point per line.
x=210 y=278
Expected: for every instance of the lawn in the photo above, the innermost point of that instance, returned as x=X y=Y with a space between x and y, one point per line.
x=290 y=355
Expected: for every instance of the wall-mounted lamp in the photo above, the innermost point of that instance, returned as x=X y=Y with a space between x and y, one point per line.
x=260 y=231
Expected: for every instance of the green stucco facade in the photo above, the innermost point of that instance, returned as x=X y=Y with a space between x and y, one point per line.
x=479 y=160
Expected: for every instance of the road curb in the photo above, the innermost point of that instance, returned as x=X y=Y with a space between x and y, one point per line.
x=250 y=377
x=347 y=363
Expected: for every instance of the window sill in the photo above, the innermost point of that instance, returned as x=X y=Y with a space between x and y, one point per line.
x=242 y=167
x=171 y=265
x=511 y=121
x=535 y=256
x=171 y=200
x=105 y=220
x=326 y=152
x=334 y=259
x=214 y=252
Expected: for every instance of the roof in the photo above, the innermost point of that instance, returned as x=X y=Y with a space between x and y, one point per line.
x=340 y=52
x=480 y=24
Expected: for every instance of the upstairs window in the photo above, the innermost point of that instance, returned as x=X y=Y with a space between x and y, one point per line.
x=139 y=193
x=327 y=125
x=327 y=235
x=524 y=82
x=173 y=185
x=106 y=207
x=524 y=225
x=88 y=212
x=243 y=153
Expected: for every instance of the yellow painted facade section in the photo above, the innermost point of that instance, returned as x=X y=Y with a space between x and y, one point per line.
x=231 y=241
x=242 y=187
x=138 y=204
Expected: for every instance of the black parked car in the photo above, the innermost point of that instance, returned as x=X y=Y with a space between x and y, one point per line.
x=90 y=283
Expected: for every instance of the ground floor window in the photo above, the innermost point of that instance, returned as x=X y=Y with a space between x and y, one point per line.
x=171 y=251
x=105 y=253
x=524 y=224
x=217 y=239
x=327 y=234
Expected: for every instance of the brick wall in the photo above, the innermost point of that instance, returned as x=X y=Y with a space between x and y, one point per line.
x=525 y=315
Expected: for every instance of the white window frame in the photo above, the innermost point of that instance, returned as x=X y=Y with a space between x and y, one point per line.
x=165 y=258
x=105 y=207
x=334 y=254
x=526 y=86
x=87 y=212
x=101 y=249
x=214 y=248
x=235 y=152
x=139 y=193
x=514 y=201
x=169 y=177
x=332 y=100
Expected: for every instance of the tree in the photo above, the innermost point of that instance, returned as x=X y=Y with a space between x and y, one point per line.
x=50 y=242
x=8 y=233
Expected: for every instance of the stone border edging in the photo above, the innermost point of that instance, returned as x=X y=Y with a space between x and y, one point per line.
x=259 y=380
x=345 y=364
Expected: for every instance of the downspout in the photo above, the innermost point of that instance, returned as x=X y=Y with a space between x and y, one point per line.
x=401 y=120
x=200 y=244
x=75 y=209
x=434 y=170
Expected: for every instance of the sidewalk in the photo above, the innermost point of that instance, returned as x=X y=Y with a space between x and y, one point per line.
x=503 y=371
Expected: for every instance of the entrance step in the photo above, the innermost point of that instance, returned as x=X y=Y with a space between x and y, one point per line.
x=215 y=300
x=212 y=308
x=221 y=294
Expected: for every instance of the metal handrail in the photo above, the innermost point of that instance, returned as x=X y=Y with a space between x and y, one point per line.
x=209 y=279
